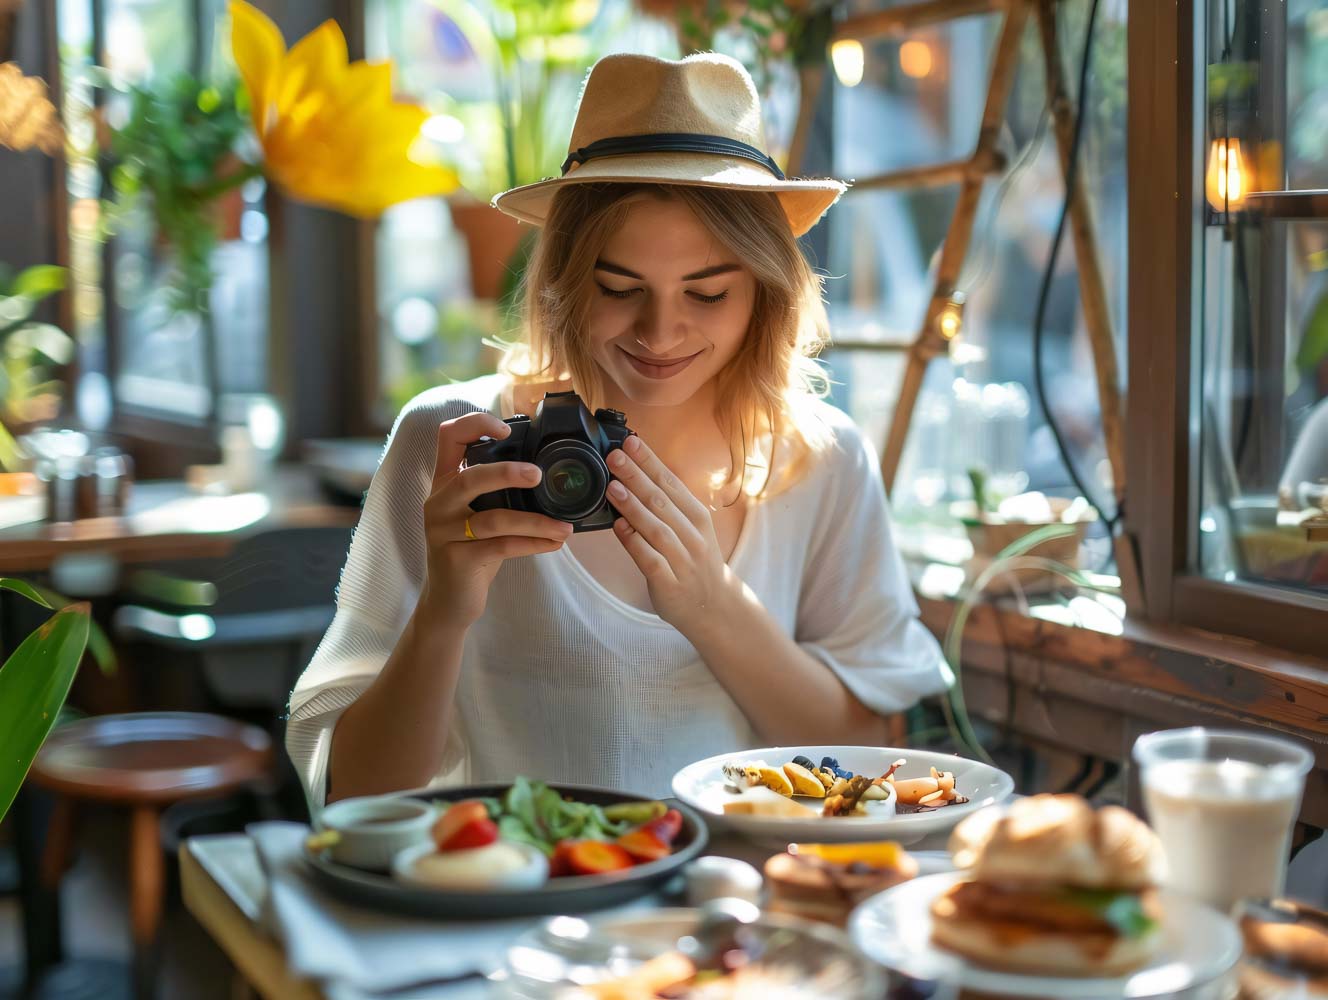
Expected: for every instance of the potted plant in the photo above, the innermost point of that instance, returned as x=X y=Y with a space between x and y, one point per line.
x=994 y=525
x=776 y=30
x=34 y=683
x=30 y=354
x=174 y=157
x=538 y=54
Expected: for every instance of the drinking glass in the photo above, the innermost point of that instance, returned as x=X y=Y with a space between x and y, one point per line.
x=1223 y=804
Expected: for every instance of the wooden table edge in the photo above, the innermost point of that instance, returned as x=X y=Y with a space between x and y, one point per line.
x=257 y=956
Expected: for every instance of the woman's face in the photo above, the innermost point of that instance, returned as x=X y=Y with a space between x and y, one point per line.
x=670 y=306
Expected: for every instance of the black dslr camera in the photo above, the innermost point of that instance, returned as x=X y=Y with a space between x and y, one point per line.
x=570 y=445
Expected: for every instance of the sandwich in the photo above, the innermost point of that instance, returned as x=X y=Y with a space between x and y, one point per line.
x=1286 y=951
x=826 y=881
x=1052 y=887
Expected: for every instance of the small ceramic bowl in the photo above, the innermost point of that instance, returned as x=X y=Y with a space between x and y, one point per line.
x=370 y=832
x=533 y=874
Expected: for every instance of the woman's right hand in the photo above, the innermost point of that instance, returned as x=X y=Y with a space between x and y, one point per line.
x=461 y=569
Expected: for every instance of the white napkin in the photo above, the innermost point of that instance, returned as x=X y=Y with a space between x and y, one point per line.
x=363 y=950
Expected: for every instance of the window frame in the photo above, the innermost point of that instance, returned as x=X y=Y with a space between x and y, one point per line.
x=1165 y=49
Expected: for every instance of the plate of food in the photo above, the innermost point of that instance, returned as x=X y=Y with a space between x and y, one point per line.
x=524 y=848
x=839 y=793
x=724 y=951
x=1054 y=899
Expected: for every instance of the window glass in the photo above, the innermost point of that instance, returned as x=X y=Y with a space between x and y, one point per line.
x=1262 y=412
x=920 y=102
x=161 y=360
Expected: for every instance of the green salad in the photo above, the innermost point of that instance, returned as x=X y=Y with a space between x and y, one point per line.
x=531 y=812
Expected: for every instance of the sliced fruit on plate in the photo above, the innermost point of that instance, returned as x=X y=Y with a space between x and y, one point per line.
x=458 y=815
x=666 y=827
x=803 y=781
x=652 y=841
x=643 y=845
x=590 y=857
x=776 y=780
x=476 y=833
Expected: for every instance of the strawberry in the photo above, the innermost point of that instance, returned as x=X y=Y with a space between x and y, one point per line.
x=595 y=857
x=666 y=827
x=458 y=815
x=561 y=863
x=643 y=845
x=476 y=833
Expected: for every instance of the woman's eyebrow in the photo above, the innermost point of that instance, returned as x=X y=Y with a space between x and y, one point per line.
x=707 y=272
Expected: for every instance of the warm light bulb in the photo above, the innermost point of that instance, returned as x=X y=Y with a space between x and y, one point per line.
x=951 y=319
x=915 y=59
x=849 y=61
x=1227 y=179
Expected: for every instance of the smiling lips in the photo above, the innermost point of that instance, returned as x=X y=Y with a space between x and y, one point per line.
x=660 y=369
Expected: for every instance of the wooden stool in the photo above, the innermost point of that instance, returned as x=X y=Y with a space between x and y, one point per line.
x=145 y=761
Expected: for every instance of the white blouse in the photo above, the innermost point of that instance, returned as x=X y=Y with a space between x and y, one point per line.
x=561 y=680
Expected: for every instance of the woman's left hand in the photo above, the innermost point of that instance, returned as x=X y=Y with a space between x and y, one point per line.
x=670 y=536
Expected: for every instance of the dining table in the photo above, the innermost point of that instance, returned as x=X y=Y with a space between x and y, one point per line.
x=224 y=886
x=166 y=520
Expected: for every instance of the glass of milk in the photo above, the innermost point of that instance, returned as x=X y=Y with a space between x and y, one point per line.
x=1224 y=804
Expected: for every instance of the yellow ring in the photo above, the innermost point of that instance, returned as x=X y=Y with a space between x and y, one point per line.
x=470 y=535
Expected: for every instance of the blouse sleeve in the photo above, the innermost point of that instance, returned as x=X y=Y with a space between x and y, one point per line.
x=857 y=613
x=379 y=587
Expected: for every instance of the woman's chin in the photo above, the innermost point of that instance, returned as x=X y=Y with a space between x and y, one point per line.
x=644 y=391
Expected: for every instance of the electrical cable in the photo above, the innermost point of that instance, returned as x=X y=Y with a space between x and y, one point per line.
x=1044 y=291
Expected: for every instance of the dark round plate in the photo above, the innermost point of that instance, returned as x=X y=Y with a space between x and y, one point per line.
x=569 y=894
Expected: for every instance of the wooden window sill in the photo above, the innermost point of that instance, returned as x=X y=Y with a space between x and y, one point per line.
x=1092 y=691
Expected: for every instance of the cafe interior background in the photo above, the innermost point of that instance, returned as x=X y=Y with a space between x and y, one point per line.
x=206 y=335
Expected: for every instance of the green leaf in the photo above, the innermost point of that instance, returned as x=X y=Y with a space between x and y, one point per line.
x=14 y=310
x=38 y=282
x=511 y=828
x=43 y=338
x=28 y=591
x=1314 y=343
x=519 y=802
x=34 y=683
x=1122 y=910
x=98 y=644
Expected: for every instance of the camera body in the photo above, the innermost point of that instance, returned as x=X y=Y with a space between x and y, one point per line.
x=570 y=445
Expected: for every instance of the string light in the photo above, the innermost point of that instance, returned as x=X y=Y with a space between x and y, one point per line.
x=915 y=59
x=849 y=60
x=1227 y=178
x=950 y=320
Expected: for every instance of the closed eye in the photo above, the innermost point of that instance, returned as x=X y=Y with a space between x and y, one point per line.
x=614 y=293
x=710 y=298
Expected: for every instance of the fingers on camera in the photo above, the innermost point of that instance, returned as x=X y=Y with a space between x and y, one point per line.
x=479 y=479
x=501 y=523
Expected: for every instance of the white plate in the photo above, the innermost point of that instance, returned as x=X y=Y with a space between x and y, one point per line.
x=701 y=786
x=1199 y=945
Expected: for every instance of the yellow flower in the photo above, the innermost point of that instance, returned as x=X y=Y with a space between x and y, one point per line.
x=330 y=131
x=27 y=117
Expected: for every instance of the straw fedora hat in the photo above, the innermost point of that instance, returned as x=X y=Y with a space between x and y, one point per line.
x=694 y=121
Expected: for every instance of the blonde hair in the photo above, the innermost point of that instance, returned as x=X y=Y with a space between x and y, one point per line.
x=763 y=392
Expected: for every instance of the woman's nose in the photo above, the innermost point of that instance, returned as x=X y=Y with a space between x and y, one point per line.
x=659 y=329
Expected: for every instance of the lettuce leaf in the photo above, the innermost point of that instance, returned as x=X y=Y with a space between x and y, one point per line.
x=1124 y=911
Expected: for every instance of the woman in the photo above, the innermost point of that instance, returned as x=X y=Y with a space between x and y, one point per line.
x=750 y=592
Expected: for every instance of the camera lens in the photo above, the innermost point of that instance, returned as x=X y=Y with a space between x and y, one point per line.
x=569 y=480
x=575 y=478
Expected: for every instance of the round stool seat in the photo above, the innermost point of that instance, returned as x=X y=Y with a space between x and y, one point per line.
x=147 y=757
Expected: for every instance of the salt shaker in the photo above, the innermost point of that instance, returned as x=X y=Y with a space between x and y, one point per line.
x=715 y=877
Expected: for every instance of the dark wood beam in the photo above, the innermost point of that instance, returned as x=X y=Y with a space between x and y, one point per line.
x=911 y=16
